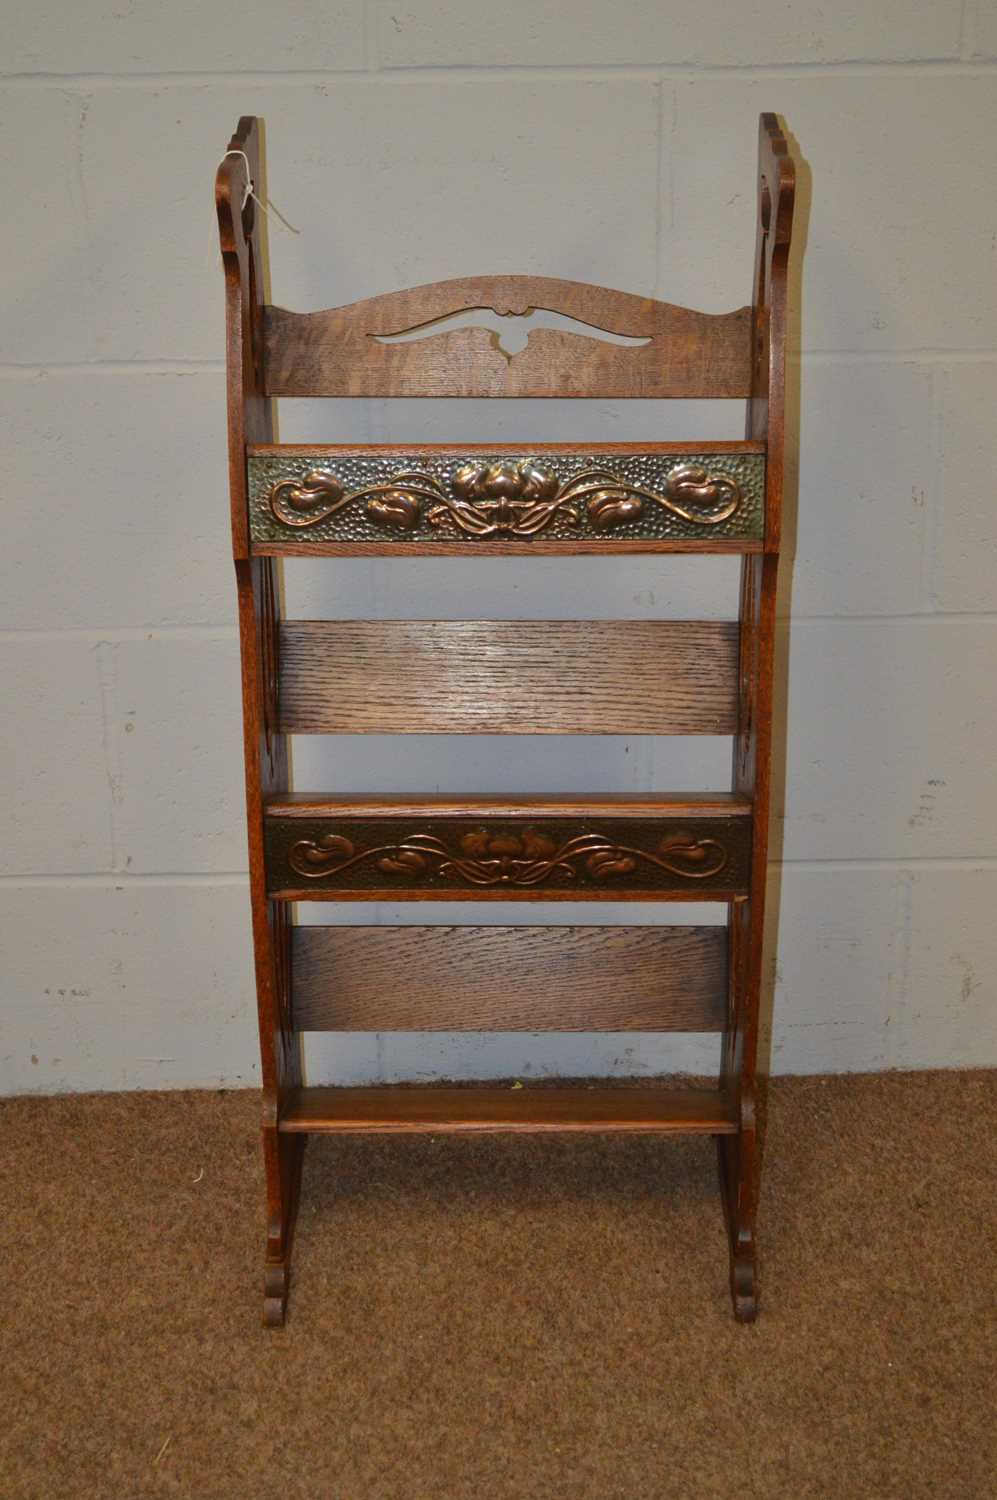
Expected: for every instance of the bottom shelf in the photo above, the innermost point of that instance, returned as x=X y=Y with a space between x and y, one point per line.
x=528 y=1111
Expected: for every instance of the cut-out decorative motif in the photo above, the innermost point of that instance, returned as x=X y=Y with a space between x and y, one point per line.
x=510 y=331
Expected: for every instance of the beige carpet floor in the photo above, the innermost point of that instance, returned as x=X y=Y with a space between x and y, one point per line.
x=501 y=1317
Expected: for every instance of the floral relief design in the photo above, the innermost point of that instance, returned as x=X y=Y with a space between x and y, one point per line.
x=306 y=502
x=398 y=508
x=508 y=498
x=502 y=857
x=514 y=498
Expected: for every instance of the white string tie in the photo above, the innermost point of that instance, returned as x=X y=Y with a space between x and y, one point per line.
x=249 y=191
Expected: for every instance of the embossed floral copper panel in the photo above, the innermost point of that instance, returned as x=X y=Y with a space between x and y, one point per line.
x=447 y=497
x=558 y=857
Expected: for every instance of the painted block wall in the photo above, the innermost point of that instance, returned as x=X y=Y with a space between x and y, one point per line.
x=410 y=142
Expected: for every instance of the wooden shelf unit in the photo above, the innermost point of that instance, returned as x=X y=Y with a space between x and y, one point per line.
x=510 y=677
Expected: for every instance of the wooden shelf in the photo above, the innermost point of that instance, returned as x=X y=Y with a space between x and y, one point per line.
x=721 y=546
x=431 y=450
x=563 y=804
x=406 y=1111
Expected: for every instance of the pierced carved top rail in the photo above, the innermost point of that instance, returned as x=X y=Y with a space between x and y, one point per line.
x=563 y=338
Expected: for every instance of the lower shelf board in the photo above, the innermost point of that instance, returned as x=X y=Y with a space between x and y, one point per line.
x=509 y=978
x=526 y=1111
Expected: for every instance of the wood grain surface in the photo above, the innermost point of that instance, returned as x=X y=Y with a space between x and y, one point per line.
x=540 y=546
x=251 y=419
x=337 y=353
x=527 y=1111
x=685 y=449
x=509 y=978
x=508 y=677
x=640 y=805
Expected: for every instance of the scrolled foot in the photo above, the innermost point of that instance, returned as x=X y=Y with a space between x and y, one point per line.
x=276 y=1285
x=742 y=1287
x=736 y=1180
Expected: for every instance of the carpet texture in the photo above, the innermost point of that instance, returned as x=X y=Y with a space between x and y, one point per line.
x=502 y=1317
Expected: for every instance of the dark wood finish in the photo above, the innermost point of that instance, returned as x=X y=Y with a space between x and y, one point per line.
x=594 y=1111
x=510 y=978
x=554 y=677
x=508 y=677
x=337 y=353
x=428 y=857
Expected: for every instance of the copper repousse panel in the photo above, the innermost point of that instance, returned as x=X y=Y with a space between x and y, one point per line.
x=391 y=498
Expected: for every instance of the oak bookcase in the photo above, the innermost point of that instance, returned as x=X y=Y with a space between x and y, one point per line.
x=541 y=677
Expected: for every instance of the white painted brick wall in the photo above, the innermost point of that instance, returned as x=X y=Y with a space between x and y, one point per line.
x=709 y=33
x=414 y=141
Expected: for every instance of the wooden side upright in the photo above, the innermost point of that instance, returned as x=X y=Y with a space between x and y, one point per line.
x=753 y=744
x=250 y=420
